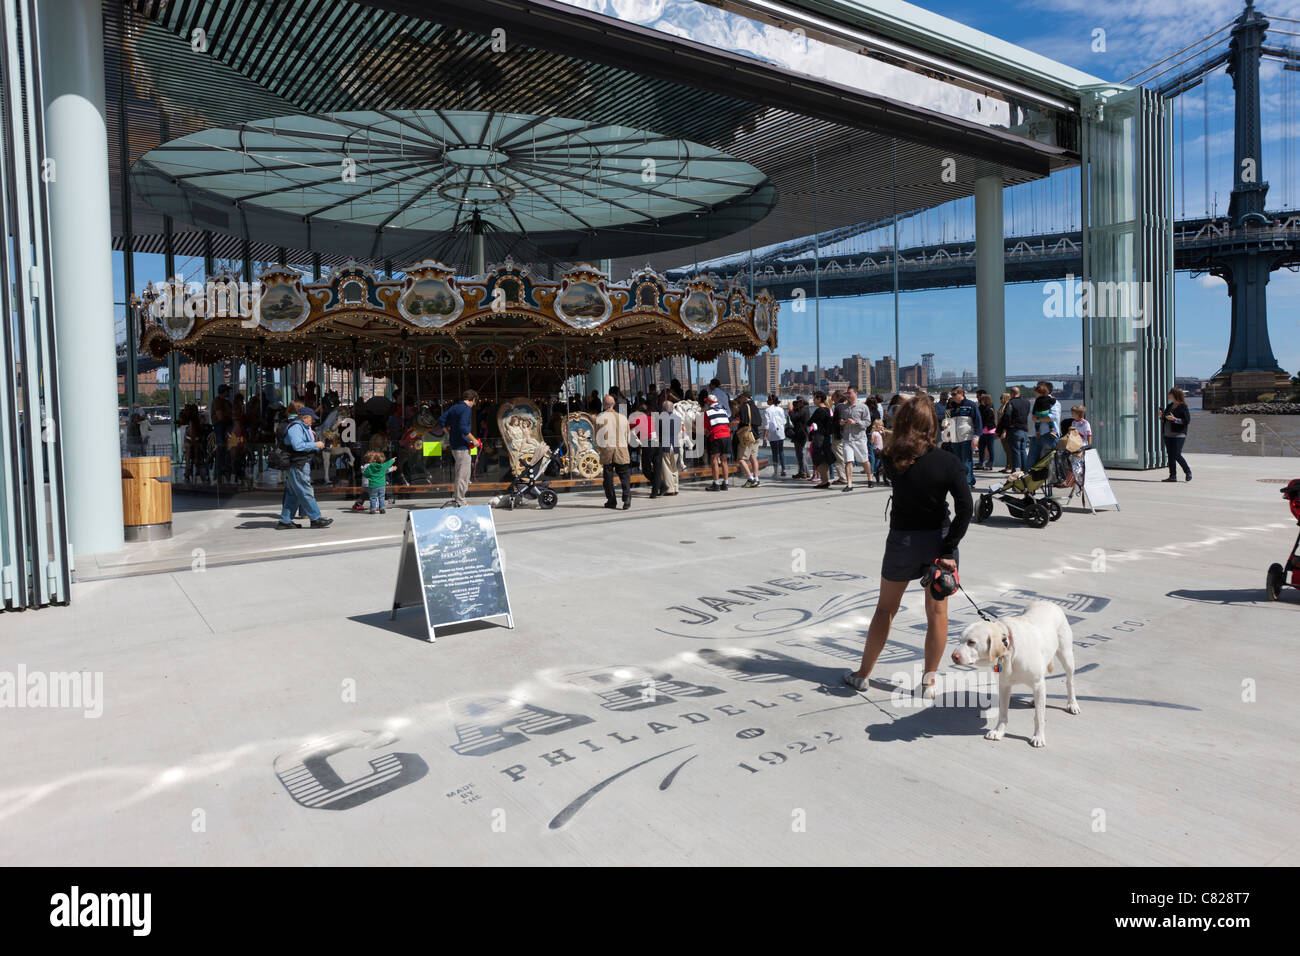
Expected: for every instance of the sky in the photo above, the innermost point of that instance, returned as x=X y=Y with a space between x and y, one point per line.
x=1138 y=33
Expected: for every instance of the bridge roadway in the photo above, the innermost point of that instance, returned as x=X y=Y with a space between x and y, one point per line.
x=951 y=265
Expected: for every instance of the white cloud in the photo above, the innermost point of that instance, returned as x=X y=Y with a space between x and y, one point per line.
x=1138 y=32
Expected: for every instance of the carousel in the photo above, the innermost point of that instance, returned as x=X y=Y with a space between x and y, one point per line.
x=504 y=334
x=448 y=191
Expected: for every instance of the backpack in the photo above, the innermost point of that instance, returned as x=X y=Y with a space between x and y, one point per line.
x=279 y=457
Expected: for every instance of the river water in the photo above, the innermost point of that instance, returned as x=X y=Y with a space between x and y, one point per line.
x=1225 y=434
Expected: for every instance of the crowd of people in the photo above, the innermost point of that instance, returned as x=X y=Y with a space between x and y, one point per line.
x=836 y=440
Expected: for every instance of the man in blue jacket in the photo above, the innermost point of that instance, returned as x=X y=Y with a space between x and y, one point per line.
x=459 y=422
x=298 y=493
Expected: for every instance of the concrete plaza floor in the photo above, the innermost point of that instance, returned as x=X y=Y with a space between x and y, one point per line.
x=670 y=693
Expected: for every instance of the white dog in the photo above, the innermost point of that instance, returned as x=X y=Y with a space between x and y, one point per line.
x=1020 y=649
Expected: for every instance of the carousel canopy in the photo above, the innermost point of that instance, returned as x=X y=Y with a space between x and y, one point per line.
x=429 y=318
x=410 y=181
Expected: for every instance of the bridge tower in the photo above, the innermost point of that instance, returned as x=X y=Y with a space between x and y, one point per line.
x=1248 y=253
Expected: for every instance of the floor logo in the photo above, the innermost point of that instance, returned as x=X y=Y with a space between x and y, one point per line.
x=656 y=724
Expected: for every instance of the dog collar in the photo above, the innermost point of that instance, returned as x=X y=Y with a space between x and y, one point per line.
x=1006 y=642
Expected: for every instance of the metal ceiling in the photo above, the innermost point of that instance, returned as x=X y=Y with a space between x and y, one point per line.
x=263 y=58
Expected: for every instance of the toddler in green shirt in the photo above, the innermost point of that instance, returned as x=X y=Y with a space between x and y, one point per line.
x=375 y=472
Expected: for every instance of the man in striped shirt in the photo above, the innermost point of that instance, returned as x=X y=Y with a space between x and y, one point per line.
x=718 y=444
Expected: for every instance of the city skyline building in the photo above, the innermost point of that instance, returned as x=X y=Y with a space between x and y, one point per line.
x=857 y=372
x=885 y=377
x=915 y=376
x=766 y=375
x=730 y=372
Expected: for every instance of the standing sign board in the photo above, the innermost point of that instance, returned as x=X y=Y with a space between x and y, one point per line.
x=451 y=564
x=1096 y=486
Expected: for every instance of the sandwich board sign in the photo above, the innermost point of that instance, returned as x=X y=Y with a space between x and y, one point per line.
x=451 y=564
x=1096 y=486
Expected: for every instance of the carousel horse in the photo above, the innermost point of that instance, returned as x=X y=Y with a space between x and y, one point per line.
x=691 y=414
x=336 y=449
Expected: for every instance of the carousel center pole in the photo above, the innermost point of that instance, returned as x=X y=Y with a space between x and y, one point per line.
x=477 y=247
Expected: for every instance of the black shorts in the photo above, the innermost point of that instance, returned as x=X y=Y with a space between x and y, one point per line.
x=718 y=446
x=909 y=553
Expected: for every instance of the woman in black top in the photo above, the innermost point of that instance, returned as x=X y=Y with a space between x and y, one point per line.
x=988 y=425
x=1175 y=418
x=800 y=415
x=820 y=439
x=920 y=532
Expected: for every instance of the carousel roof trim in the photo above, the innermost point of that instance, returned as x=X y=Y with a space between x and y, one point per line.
x=431 y=317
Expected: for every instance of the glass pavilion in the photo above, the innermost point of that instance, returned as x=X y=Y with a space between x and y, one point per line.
x=166 y=137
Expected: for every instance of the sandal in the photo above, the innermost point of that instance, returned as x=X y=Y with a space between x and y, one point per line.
x=927 y=691
x=857 y=683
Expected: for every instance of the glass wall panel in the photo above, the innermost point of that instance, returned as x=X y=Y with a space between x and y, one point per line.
x=1126 y=295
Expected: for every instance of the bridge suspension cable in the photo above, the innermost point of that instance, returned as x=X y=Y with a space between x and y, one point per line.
x=1201 y=41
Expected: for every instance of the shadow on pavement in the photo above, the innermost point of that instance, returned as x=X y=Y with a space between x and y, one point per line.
x=1237 y=597
x=931 y=722
x=410 y=623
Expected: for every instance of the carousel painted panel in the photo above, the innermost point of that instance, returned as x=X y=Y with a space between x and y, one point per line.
x=430 y=298
x=520 y=423
x=283 y=305
x=580 y=443
x=583 y=299
x=699 y=310
x=764 y=316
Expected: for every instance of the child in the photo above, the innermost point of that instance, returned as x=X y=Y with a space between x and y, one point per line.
x=1080 y=424
x=375 y=473
x=878 y=450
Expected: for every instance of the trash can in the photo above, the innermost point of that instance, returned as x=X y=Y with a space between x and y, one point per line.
x=147 y=498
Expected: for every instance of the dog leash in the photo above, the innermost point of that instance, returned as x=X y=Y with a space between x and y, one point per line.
x=984 y=615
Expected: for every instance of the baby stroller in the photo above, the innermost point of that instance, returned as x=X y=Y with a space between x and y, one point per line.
x=529 y=484
x=1019 y=493
x=1277 y=573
